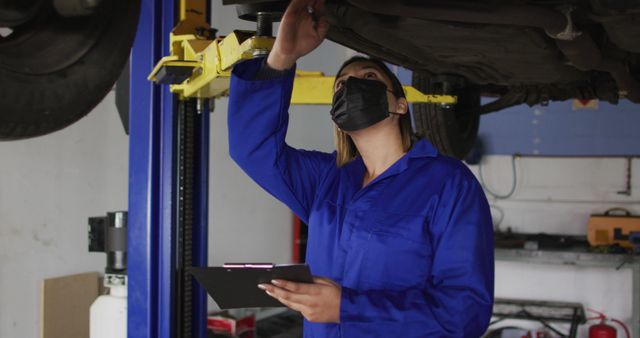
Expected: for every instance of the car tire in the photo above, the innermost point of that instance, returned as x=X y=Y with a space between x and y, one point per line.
x=453 y=130
x=38 y=102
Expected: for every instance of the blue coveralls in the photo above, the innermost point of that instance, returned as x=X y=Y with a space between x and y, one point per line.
x=413 y=250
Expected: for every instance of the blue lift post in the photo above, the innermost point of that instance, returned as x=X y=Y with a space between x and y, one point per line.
x=152 y=251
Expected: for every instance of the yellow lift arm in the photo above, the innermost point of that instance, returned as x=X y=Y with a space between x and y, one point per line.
x=199 y=65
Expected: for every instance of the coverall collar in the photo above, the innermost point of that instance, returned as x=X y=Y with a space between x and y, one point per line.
x=422 y=148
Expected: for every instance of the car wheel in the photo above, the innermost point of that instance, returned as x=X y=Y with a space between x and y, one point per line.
x=56 y=69
x=451 y=129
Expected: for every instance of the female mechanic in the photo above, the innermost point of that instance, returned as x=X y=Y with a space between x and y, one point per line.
x=400 y=235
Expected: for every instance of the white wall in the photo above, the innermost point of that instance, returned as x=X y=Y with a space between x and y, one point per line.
x=245 y=223
x=557 y=196
x=49 y=186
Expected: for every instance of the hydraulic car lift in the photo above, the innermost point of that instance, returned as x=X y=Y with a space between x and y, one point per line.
x=169 y=156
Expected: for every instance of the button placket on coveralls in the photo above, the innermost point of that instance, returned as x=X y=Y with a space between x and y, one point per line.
x=361 y=213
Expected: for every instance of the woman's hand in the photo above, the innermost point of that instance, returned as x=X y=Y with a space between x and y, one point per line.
x=299 y=33
x=318 y=302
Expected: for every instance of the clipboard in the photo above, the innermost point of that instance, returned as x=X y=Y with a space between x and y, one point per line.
x=235 y=285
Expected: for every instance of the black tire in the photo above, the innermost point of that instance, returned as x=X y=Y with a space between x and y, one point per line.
x=36 y=102
x=452 y=130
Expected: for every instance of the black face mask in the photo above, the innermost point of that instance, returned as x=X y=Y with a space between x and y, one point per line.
x=359 y=104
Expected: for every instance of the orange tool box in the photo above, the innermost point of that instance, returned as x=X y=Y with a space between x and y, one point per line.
x=615 y=226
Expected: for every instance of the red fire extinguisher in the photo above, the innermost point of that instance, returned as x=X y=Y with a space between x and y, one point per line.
x=602 y=330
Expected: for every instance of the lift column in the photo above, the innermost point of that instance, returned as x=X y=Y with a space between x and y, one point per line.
x=168 y=179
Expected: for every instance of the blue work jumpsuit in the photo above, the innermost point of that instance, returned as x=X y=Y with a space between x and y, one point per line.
x=412 y=250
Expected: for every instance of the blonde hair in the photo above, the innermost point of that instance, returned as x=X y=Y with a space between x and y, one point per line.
x=346 y=150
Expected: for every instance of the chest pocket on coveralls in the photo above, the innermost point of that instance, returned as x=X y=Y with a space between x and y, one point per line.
x=398 y=251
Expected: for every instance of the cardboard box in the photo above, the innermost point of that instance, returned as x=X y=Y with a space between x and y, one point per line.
x=65 y=305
